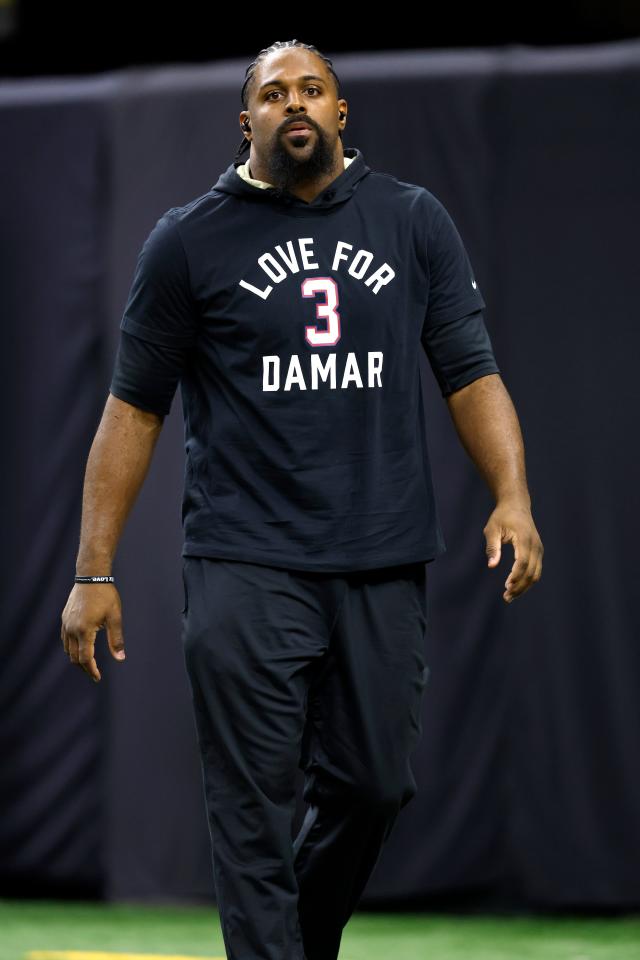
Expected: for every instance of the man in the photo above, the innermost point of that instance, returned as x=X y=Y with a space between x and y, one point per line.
x=290 y=302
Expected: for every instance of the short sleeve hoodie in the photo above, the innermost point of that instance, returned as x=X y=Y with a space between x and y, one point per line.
x=294 y=330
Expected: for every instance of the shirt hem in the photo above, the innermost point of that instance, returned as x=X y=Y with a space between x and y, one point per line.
x=191 y=549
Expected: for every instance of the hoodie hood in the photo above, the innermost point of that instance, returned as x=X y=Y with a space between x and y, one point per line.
x=339 y=190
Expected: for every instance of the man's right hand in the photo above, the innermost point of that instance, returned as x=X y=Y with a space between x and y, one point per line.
x=90 y=607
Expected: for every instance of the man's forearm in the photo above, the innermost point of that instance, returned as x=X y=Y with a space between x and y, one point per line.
x=488 y=427
x=116 y=467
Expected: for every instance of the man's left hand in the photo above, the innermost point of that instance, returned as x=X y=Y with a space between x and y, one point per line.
x=512 y=521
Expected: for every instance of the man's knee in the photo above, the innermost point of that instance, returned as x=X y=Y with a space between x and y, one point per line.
x=386 y=793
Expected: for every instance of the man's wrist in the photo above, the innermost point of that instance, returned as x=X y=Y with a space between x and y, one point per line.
x=516 y=497
x=93 y=565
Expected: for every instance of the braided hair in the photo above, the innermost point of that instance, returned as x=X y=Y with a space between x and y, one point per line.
x=249 y=72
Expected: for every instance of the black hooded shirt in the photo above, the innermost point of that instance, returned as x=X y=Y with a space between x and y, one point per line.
x=294 y=329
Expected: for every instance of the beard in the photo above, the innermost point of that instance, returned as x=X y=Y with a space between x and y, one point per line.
x=290 y=167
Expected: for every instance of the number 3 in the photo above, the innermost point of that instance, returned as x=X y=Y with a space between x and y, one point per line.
x=324 y=311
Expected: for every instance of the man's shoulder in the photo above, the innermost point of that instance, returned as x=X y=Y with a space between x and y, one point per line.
x=387 y=185
x=182 y=215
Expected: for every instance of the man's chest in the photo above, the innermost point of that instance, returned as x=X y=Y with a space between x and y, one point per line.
x=312 y=286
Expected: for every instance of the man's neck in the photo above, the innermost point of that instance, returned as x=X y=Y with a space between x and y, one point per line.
x=305 y=191
x=243 y=170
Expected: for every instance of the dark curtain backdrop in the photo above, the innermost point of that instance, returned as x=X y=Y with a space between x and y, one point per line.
x=528 y=772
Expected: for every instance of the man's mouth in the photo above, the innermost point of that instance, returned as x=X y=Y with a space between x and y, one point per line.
x=298 y=128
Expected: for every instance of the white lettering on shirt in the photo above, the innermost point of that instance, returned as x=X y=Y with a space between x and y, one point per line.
x=279 y=264
x=295 y=376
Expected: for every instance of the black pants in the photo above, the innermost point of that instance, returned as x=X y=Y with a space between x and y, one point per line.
x=321 y=671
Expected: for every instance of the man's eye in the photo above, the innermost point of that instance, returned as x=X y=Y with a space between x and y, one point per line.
x=317 y=90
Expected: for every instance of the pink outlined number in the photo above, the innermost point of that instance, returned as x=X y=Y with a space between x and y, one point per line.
x=324 y=311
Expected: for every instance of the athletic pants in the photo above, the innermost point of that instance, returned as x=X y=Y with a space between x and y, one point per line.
x=293 y=669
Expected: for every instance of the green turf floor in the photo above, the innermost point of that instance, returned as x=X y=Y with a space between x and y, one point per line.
x=30 y=929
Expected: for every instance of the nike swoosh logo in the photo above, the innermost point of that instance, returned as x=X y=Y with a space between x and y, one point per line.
x=474 y=284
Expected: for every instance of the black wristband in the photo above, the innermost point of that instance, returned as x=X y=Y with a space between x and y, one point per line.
x=95 y=579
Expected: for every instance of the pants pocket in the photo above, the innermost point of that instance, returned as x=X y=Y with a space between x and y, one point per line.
x=185 y=588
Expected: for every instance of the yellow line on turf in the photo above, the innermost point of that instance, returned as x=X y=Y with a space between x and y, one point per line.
x=102 y=955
